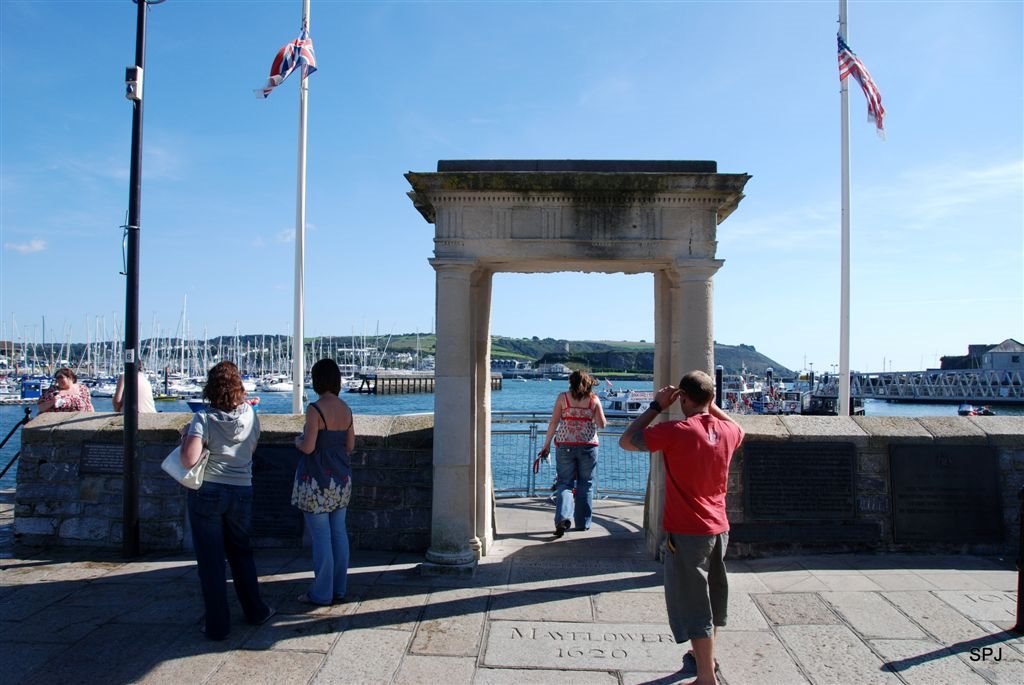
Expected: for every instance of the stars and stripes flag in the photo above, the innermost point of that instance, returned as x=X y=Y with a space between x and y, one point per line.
x=296 y=54
x=850 y=65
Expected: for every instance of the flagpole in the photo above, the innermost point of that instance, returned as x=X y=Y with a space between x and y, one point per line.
x=298 y=370
x=843 y=401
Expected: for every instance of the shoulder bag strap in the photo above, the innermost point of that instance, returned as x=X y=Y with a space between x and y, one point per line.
x=322 y=418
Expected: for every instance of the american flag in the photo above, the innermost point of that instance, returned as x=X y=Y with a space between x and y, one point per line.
x=850 y=65
x=298 y=53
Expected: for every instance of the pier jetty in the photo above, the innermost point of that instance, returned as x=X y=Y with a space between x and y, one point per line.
x=399 y=383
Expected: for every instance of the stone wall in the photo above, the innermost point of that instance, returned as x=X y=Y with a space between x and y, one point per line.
x=975 y=451
x=828 y=485
x=69 y=485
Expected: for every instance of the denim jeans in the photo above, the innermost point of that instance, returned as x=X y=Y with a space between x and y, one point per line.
x=220 y=516
x=330 y=555
x=575 y=465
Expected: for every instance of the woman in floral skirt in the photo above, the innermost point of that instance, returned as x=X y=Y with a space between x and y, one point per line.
x=323 y=484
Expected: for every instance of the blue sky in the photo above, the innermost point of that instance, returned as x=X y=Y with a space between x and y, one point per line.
x=937 y=209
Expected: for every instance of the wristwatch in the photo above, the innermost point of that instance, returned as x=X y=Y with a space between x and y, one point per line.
x=655 y=406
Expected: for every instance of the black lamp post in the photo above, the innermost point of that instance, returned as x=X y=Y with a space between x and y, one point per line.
x=133 y=91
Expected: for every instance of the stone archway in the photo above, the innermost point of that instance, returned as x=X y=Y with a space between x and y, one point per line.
x=545 y=216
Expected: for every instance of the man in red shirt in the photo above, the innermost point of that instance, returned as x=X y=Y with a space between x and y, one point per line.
x=697 y=453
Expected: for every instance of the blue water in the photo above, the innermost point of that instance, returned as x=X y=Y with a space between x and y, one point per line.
x=519 y=396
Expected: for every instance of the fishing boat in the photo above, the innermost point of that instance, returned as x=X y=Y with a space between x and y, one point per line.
x=276 y=384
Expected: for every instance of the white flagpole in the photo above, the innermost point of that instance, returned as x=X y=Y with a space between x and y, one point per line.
x=843 y=403
x=298 y=370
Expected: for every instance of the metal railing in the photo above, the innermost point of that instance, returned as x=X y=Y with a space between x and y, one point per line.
x=25 y=419
x=516 y=437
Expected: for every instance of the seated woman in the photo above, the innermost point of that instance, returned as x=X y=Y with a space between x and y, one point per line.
x=65 y=394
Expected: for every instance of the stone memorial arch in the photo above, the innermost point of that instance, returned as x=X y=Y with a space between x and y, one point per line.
x=522 y=216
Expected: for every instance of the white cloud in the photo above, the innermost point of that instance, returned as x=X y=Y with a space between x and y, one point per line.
x=36 y=245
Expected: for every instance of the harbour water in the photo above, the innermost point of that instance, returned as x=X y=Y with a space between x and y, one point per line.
x=516 y=396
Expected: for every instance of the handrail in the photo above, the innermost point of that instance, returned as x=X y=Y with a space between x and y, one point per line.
x=25 y=419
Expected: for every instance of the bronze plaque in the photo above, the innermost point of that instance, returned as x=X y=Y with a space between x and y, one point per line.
x=101 y=458
x=273 y=471
x=946 y=493
x=798 y=481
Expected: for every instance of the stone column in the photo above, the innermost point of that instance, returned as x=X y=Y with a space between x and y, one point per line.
x=483 y=492
x=451 y=534
x=693 y=339
x=684 y=341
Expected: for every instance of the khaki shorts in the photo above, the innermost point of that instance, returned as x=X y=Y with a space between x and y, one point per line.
x=696 y=586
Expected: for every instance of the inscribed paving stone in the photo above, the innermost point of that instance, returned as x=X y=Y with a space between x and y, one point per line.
x=631 y=607
x=871 y=616
x=802 y=608
x=925 y=662
x=833 y=654
x=541 y=605
x=273 y=668
x=935 y=616
x=364 y=656
x=581 y=646
x=505 y=676
x=756 y=658
x=435 y=669
x=983 y=606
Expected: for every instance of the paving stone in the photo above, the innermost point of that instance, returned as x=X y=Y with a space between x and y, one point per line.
x=983 y=606
x=390 y=607
x=508 y=676
x=423 y=670
x=631 y=607
x=955 y=580
x=743 y=613
x=935 y=616
x=755 y=658
x=925 y=662
x=379 y=653
x=834 y=654
x=899 y=581
x=31 y=599
x=795 y=609
x=581 y=646
x=297 y=632
x=20 y=659
x=452 y=624
x=541 y=605
x=846 y=582
x=64 y=625
x=871 y=615
x=792 y=581
x=273 y=668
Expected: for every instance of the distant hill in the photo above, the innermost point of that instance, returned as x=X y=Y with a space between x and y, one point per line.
x=598 y=355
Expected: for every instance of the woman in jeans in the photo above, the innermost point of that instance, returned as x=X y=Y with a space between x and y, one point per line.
x=575 y=420
x=220 y=512
x=323 y=484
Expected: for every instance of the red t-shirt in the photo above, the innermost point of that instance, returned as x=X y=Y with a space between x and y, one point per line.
x=697 y=454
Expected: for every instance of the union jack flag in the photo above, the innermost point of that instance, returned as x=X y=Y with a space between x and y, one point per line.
x=298 y=53
x=850 y=65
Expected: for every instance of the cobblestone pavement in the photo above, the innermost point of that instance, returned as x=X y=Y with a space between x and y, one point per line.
x=586 y=608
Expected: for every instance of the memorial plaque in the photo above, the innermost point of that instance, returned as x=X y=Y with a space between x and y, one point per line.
x=273 y=471
x=799 y=481
x=581 y=646
x=946 y=493
x=101 y=458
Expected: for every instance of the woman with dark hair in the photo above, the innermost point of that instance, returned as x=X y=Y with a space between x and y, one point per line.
x=65 y=394
x=220 y=511
x=574 y=423
x=323 y=483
